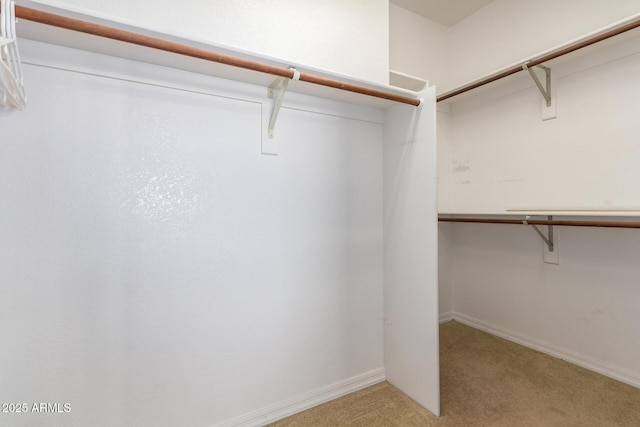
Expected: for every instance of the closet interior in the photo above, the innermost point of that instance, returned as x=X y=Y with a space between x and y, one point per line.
x=227 y=218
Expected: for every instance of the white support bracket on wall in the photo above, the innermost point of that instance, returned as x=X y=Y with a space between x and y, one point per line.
x=549 y=110
x=283 y=90
x=269 y=144
x=550 y=250
x=278 y=104
x=546 y=92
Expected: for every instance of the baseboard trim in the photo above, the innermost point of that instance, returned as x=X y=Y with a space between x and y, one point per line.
x=305 y=401
x=614 y=372
x=446 y=317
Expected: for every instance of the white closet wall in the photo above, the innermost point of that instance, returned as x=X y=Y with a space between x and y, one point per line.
x=158 y=270
x=505 y=157
x=495 y=153
x=507 y=32
x=502 y=33
x=409 y=31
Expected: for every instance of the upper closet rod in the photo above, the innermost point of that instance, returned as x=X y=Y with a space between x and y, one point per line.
x=544 y=58
x=154 y=43
x=570 y=223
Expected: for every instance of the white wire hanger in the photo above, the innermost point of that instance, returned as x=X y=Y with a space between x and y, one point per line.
x=12 y=92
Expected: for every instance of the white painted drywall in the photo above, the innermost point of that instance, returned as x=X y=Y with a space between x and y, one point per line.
x=410 y=252
x=157 y=270
x=345 y=36
x=499 y=155
x=506 y=32
x=418 y=46
x=503 y=156
x=500 y=34
x=503 y=33
x=584 y=310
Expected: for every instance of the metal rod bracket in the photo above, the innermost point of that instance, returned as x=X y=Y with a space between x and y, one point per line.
x=547 y=240
x=276 y=107
x=546 y=93
x=283 y=89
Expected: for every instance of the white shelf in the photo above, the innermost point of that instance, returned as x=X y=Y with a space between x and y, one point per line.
x=57 y=36
x=536 y=213
x=406 y=81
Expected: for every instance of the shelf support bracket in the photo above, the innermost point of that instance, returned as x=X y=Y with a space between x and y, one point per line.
x=283 y=89
x=546 y=93
x=547 y=240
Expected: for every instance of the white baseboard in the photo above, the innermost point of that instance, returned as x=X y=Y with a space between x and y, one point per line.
x=305 y=401
x=610 y=371
x=446 y=317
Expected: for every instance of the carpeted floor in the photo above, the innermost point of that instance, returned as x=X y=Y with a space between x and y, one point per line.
x=489 y=381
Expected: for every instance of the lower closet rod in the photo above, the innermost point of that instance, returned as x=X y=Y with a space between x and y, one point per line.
x=569 y=223
x=154 y=43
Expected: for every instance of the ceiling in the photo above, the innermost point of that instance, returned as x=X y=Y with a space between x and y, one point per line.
x=445 y=12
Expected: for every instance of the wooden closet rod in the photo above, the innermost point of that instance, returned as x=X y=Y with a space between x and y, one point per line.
x=154 y=43
x=569 y=223
x=543 y=58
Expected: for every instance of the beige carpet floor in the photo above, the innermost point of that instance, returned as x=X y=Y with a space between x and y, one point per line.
x=489 y=381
